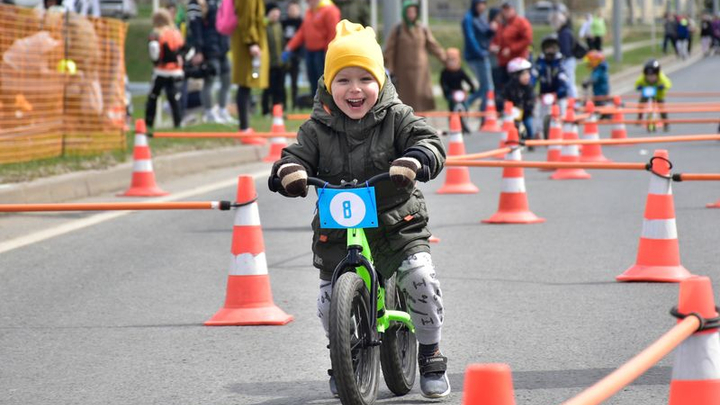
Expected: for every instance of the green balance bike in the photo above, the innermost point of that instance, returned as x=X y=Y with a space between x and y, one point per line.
x=369 y=323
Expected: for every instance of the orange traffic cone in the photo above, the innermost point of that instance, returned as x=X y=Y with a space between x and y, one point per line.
x=714 y=205
x=513 y=198
x=658 y=257
x=457 y=179
x=555 y=133
x=248 y=300
x=251 y=140
x=696 y=370
x=488 y=384
x=276 y=144
x=143 y=178
x=508 y=123
x=619 y=131
x=591 y=152
x=570 y=153
x=491 y=123
x=434 y=239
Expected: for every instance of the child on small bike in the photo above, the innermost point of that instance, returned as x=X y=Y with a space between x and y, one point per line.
x=359 y=128
x=451 y=81
x=599 y=78
x=551 y=75
x=653 y=77
x=520 y=91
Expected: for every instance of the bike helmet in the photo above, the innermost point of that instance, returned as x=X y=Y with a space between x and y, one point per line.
x=518 y=65
x=594 y=58
x=652 y=67
x=547 y=42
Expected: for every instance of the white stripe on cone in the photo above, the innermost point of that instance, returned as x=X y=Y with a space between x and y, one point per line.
x=514 y=155
x=455 y=137
x=142 y=166
x=277 y=140
x=248 y=215
x=660 y=186
x=570 y=150
x=513 y=185
x=246 y=264
x=698 y=358
x=659 y=229
x=141 y=140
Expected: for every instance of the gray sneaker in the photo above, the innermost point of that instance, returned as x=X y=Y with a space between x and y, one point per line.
x=433 y=377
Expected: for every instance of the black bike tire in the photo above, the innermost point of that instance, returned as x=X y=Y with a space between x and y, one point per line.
x=398 y=356
x=348 y=290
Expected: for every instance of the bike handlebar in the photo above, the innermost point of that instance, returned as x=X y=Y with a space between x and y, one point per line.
x=314 y=181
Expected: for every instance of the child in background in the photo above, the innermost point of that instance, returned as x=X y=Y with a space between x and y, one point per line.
x=165 y=48
x=275 y=93
x=451 y=81
x=359 y=128
x=653 y=77
x=290 y=25
x=520 y=91
x=550 y=73
x=599 y=78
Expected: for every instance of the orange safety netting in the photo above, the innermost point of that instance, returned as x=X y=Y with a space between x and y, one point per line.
x=62 y=84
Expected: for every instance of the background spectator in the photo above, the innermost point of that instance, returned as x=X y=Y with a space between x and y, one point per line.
x=670 y=27
x=275 y=94
x=291 y=24
x=249 y=41
x=357 y=11
x=597 y=31
x=211 y=51
x=315 y=33
x=706 y=33
x=477 y=33
x=406 y=58
x=584 y=31
x=683 y=36
x=512 y=40
x=567 y=40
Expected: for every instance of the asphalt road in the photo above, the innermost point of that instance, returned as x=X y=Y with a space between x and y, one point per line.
x=112 y=313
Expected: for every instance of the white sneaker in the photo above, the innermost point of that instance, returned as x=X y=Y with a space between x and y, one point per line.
x=211 y=117
x=225 y=116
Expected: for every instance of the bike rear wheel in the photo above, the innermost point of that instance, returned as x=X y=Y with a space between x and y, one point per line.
x=355 y=361
x=398 y=352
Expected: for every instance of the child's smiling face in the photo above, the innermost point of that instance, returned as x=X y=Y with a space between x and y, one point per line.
x=355 y=91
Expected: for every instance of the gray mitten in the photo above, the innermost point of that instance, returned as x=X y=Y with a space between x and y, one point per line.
x=294 y=179
x=404 y=170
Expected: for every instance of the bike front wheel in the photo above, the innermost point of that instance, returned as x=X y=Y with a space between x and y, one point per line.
x=353 y=352
x=398 y=352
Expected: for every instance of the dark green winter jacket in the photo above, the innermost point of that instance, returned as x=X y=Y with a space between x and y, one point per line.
x=334 y=147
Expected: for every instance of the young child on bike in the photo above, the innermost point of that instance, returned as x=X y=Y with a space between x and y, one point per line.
x=359 y=128
x=451 y=81
x=652 y=76
x=550 y=73
x=599 y=78
x=520 y=91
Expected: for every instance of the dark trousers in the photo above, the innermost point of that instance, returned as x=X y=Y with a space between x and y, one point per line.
x=294 y=71
x=595 y=43
x=670 y=39
x=275 y=93
x=315 y=61
x=160 y=83
x=242 y=99
x=644 y=100
x=501 y=77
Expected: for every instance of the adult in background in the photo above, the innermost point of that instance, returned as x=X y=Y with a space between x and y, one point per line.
x=249 y=46
x=315 y=33
x=563 y=27
x=211 y=49
x=671 y=26
x=512 y=40
x=478 y=33
x=291 y=24
x=584 y=31
x=275 y=93
x=406 y=58
x=357 y=11
x=598 y=30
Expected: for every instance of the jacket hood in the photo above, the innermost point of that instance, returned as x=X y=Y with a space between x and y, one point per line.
x=406 y=5
x=326 y=112
x=473 y=5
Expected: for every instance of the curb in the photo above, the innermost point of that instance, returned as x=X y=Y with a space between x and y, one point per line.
x=83 y=184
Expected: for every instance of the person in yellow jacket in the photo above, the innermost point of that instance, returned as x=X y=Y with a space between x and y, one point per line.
x=653 y=84
x=250 y=57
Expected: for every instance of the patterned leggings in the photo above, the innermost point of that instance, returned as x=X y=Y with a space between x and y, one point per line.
x=416 y=279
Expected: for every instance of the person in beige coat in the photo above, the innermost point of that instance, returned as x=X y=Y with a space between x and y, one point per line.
x=406 y=58
x=249 y=41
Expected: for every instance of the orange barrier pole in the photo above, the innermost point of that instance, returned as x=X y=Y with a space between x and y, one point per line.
x=549 y=165
x=140 y=206
x=666 y=121
x=639 y=364
x=696 y=177
x=445 y=114
x=235 y=135
x=668 y=95
x=659 y=108
x=297 y=117
x=481 y=155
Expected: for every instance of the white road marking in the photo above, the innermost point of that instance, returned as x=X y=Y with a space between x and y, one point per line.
x=96 y=219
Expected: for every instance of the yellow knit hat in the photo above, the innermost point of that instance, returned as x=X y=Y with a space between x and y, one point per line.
x=354 y=45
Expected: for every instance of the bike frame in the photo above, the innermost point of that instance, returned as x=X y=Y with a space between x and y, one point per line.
x=359 y=259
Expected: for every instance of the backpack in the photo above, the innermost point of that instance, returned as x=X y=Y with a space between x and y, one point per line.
x=226 y=19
